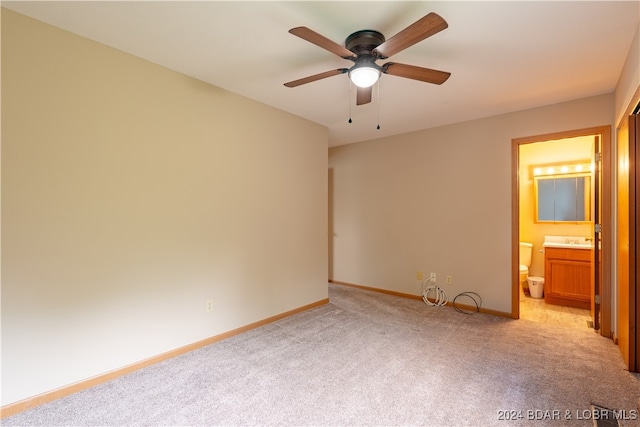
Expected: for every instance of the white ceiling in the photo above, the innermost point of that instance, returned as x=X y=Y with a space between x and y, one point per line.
x=503 y=56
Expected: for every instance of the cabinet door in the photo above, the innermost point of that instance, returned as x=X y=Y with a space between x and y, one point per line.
x=568 y=276
x=571 y=279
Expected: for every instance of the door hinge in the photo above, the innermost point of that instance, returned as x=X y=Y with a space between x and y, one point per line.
x=598 y=157
x=596 y=299
x=597 y=228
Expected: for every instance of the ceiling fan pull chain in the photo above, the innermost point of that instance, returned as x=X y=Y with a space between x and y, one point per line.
x=349 y=100
x=378 y=89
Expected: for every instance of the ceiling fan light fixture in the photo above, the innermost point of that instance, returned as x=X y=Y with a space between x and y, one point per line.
x=364 y=76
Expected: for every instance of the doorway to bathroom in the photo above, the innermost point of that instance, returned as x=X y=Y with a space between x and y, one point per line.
x=562 y=205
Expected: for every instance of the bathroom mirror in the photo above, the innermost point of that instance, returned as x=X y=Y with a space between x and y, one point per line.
x=562 y=197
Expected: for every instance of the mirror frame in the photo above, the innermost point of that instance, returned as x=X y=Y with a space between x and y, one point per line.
x=587 y=190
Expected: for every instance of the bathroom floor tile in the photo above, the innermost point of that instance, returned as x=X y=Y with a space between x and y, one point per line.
x=536 y=310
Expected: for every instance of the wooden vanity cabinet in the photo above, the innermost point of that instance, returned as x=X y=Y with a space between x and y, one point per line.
x=567 y=277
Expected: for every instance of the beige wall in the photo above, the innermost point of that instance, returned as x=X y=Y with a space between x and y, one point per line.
x=131 y=194
x=438 y=200
x=629 y=81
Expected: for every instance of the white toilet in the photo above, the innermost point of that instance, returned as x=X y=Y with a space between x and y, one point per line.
x=525 y=262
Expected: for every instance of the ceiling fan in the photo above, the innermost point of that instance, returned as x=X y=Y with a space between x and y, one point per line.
x=365 y=47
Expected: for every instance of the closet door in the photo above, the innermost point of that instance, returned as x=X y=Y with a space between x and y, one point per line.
x=634 y=241
x=628 y=241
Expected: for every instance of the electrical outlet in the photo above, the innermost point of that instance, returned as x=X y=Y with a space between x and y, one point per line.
x=209 y=305
x=449 y=280
x=419 y=275
x=432 y=277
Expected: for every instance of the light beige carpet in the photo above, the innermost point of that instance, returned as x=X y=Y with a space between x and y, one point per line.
x=369 y=359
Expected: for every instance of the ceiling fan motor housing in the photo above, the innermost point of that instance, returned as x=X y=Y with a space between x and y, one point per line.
x=364 y=42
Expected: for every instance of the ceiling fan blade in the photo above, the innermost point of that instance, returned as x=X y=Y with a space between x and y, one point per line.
x=320 y=40
x=416 y=73
x=363 y=95
x=421 y=29
x=316 y=77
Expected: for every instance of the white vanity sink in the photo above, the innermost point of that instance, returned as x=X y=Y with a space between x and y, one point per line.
x=570 y=242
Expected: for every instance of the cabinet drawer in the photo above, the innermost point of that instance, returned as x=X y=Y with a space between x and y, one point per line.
x=568 y=254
